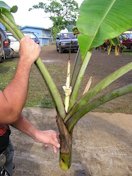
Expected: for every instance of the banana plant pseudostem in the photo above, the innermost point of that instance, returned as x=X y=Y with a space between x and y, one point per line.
x=98 y=21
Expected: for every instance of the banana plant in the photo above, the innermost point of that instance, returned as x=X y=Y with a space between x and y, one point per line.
x=99 y=20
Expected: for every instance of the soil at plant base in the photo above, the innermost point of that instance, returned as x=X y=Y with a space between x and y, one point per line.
x=102 y=142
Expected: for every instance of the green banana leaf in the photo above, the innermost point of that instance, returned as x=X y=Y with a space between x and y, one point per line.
x=100 y=20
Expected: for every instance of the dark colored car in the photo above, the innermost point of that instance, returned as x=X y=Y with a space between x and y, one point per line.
x=32 y=36
x=66 y=41
x=5 y=50
x=126 y=40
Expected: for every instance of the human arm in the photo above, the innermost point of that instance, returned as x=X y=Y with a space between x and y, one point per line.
x=48 y=137
x=13 y=97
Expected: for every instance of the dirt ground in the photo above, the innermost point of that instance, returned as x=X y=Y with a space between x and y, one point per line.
x=102 y=142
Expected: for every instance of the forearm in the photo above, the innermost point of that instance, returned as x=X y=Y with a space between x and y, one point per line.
x=26 y=127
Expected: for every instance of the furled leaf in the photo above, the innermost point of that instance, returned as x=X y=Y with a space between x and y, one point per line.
x=100 y=20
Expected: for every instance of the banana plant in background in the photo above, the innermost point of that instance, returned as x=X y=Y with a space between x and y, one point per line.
x=99 y=21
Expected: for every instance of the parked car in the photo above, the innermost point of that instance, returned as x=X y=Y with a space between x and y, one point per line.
x=14 y=43
x=5 y=50
x=66 y=41
x=126 y=39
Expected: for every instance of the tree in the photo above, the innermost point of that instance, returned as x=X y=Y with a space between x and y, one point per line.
x=61 y=13
x=93 y=32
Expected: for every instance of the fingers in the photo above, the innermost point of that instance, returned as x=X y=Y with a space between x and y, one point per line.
x=29 y=50
x=53 y=141
x=56 y=141
x=54 y=148
x=48 y=138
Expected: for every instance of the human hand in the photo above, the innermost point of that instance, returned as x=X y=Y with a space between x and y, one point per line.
x=48 y=138
x=29 y=50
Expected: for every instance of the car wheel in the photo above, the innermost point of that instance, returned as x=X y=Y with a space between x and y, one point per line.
x=1 y=59
x=57 y=49
x=11 y=54
x=60 y=49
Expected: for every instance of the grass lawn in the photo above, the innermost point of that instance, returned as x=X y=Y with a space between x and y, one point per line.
x=38 y=94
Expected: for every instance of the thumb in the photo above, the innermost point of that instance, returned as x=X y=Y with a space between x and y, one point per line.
x=55 y=143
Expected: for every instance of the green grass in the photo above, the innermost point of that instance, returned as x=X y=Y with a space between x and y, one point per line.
x=38 y=94
x=7 y=70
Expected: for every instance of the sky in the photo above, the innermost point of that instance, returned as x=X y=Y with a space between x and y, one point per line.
x=23 y=17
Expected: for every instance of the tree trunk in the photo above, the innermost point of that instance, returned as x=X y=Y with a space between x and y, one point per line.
x=65 y=145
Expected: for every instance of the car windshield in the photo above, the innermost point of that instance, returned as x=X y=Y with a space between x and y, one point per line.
x=67 y=36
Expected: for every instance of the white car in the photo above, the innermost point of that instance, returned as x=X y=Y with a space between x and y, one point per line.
x=14 y=43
